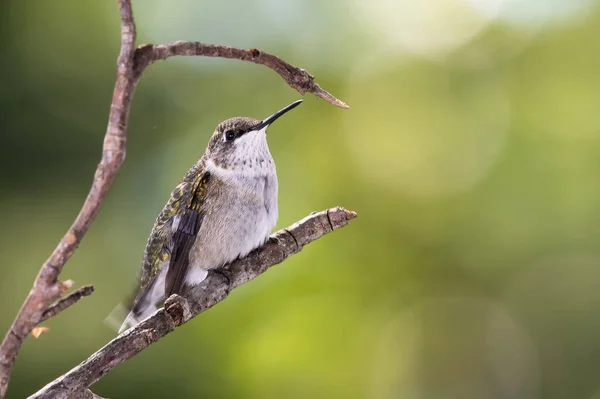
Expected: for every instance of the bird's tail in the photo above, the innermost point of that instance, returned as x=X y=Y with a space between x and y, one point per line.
x=130 y=321
x=121 y=318
x=114 y=320
x=143 y=304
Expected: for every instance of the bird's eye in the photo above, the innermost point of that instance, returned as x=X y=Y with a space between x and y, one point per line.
x=229 y=135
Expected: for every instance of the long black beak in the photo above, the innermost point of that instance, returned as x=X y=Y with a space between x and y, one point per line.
x=266 y=122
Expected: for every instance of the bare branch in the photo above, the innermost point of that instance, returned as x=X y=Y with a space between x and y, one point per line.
x=45 y=287
x=67 y=301
x=85 y=394
x=179 y=310
x=296 y=77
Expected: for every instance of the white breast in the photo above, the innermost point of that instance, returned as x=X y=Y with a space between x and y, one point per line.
x=238 y=216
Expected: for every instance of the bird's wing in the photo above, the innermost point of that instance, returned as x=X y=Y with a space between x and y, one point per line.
x=186 y=226
x=172 y=236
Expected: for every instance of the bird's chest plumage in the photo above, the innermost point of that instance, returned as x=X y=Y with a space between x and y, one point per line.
x=239 y=213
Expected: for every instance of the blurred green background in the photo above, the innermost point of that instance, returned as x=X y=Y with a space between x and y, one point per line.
x=471 y=153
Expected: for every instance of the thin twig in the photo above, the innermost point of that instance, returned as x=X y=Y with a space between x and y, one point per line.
x=296 y=77
x=67 y=301
x=46 y=288
x=179 y=310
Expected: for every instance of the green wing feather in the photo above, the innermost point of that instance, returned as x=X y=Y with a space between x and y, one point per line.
x=184 y=237
x=187 y=196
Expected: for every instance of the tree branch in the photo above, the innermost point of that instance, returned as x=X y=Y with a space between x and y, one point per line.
x=179 y=310
x=67 y=301
x=296 y=77
x=47 y=289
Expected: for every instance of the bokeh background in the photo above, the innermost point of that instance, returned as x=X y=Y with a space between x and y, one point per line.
x=471 y=153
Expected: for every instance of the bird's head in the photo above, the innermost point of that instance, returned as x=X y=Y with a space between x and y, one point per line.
x=240 y=143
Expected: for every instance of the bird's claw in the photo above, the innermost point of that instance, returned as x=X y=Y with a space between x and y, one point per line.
x=224 y=277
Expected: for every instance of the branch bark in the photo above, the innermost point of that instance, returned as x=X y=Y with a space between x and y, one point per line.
x=296 y=77
x=67 y=301
x=47 y=289
x=179 y=310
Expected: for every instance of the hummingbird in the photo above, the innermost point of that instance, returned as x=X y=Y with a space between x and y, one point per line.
x=225 y=207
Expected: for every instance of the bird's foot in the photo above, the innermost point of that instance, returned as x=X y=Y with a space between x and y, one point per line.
x=224 y=275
